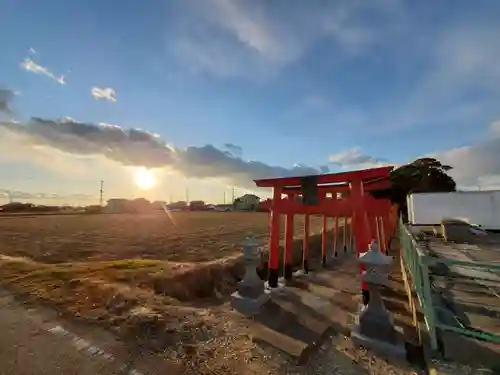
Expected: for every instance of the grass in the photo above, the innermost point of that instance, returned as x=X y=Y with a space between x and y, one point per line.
x=159 y=282
x=125 y=272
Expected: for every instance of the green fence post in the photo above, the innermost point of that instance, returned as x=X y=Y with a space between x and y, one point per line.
x=428 y=305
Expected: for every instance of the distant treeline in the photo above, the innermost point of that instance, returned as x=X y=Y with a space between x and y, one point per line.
x=18 y=207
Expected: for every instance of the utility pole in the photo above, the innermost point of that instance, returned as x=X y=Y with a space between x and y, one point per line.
x=101 y=191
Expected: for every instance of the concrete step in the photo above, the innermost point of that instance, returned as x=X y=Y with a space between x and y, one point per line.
x=287 y=344
x=291 y=328
x=336 y=308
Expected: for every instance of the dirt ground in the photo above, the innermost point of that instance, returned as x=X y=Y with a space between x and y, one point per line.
x=160 y=285
x=177 y=237
x=161 y=282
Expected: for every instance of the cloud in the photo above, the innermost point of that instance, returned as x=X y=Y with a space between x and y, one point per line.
x=225 y=37
x=136 y=147
x=31 y=66
x=474 y=165
x=324 y=169
x=233 y=150
x=17 y=194
x=353 y=157
x=104 y=93
x=6 y=97
x=495 y=127
x=477 y=164
x=459 y=80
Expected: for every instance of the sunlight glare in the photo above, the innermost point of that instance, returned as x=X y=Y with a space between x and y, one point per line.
x=145 y=179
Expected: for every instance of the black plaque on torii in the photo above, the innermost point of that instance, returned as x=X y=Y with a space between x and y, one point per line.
x=309 y=186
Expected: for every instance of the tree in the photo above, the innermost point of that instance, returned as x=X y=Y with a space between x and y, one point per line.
x=422 y=175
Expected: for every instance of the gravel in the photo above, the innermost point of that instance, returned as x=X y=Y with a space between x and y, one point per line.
x=448 y=368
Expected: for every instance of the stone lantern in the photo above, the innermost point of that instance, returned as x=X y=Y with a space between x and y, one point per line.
x=375 y=327
x=251 y=294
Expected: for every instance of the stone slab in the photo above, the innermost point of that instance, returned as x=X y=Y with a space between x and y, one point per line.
x=304 y=317
x=279 y=289
x=287 y=344
x=394 y=351
x=249 y=306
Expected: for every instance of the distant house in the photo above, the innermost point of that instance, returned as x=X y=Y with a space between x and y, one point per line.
x=197 y=205
x=117 y=205
x=122 y=205
x=247 y=202
x=178 y=206
x=224 y=207
x=265 y=205
x=158 y=205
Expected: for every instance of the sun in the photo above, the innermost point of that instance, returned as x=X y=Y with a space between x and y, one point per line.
x=145 y=179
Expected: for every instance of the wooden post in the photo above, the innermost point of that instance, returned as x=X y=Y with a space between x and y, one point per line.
x=345 y=233
x=362 y=239
x=323 y=243
x=274 y=239
x=288 y=246
x=378 y=229
x=351 y=233
x=383 y=239
x=305 y=245
x=336 y=236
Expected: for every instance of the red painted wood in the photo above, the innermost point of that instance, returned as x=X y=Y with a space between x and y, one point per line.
x=274 y=235
x=364 y=174
x=289 y=239
x=344 y=188
x=305 y=243
x=323 y=237
x=357 y=205
x=336 y=235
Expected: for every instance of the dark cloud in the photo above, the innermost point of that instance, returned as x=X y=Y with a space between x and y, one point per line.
x=135 y=147
x=128 y=147
x=6 y=97
x=324 y=169
x=233 y=149
x=17 y=194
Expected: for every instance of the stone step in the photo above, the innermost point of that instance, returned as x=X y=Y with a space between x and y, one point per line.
x=290 y=328
x=287 y=344
x=337 y=308
x=307 y=318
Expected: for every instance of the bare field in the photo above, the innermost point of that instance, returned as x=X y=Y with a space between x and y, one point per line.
x=153 y=279
x=178 y=237
x=181 y=255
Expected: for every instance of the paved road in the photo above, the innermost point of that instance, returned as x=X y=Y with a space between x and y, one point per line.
x=31 y=343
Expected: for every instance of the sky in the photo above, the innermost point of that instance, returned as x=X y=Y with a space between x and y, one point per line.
x=211 y=94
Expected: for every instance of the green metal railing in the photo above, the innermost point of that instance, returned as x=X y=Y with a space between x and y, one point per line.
x=417 y=264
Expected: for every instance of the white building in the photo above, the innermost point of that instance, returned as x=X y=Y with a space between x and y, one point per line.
x=117 y=205
x=247 y=202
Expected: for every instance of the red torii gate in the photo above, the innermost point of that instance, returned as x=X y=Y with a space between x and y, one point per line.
x=357 y=205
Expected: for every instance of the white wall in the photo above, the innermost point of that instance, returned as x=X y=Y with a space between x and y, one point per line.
x=475 y=207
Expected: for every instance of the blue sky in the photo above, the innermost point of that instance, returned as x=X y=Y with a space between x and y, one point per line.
x=343 y=84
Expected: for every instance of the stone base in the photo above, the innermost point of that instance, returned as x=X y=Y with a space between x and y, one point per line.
x=249 y=306
x=395 y=350
x=301 y=273
x=281 y=286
